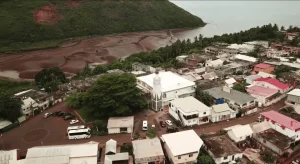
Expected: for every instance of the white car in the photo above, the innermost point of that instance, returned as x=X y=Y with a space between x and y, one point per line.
x=74 y=122
x=169 y=122
x=47 y=115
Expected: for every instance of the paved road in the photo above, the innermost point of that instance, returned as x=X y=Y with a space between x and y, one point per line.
x=55 y=129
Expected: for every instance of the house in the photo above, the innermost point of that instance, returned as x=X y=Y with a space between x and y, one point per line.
x=34 y=100
x=181 y=58
x=235 y=99
x=253 y=155
x=274 y=140
x=120 y=125
x=266 y=75
x=245 y=58
x=189 y=111
x=200 y=71
x=148 y=151
x=165 y=87
x=84 y=153
x=191 y=76
x=283 y=124
x=221 y=112
x=293 y=96
x=4 y=124
x=214 y=63
x=112 y=156
x=263 y=67
x=264 y=44
x=272 y=83
x=264 y=96
x=222 y=150
x=232 y=68
x=274 y=53
x=291 y=35
x=239 y=133
x=230 y=82
x=214 y=50
x=9 y=156
x=250 y=79
x=210 y=76
x=243 y=48
x=182 y=147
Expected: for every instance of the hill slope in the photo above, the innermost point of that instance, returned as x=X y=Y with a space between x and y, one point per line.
x=35 y=24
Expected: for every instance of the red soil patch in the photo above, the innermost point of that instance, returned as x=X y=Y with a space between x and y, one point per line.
x=46 y=14
x=28 y=74
x=73 y=3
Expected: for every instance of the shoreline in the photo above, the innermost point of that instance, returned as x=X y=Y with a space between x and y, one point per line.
x=72 y=55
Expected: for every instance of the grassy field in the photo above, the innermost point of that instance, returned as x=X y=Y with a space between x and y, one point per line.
x=20 y=31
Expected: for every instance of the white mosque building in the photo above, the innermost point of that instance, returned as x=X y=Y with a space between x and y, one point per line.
x=165 y=87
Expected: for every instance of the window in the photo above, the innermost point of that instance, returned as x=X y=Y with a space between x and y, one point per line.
x=164 y=95
x=123 y=129
x=204 y=112
x=179 y=157
x=190 y=155
x=225 y=158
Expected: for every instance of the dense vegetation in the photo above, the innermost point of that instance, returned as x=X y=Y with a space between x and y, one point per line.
x=49 y=79
x=9 y=107
x=10 y=87
x=111 y=95
x=19 y=30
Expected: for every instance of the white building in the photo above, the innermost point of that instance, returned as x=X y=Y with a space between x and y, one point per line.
x=111 y=154
x=265 y=75
x=148 y=151
x=165 y=87
x=182 y=147
x=264 y=96
x=221 y=112
x=250 y=79
x=8 y=156
x=222 y=150
x=214 y=63
x=28 y=106
x=62 y=154
x=230 y=82
x=294 y=97
x=245 y=58
x=239 y=133
x=283 y=124
x=120 y=125
x=264 y=44
x=189 y=111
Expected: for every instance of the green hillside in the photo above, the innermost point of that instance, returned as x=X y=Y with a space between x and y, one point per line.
x=25 y=27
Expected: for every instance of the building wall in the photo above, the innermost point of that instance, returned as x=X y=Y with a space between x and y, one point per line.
x=268 y=145
x=267 y=85
x=288 y=132
x=227 y=159
x=155 y=159
x=293 y=99
x=117 y=130
x=217 y=117
x=183 y=158
x=234 y=138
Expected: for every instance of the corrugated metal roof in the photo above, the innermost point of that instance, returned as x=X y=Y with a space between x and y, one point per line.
x=147 y=148
x=117 y=122
x=240 y=131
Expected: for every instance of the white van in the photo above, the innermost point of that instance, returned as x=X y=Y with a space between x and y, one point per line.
x=145 y=125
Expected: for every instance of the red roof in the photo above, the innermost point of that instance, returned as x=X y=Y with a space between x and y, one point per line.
x=274 y=82
x=282 y=120
x=262 y=65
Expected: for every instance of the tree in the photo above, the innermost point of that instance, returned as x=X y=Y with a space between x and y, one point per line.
x=204 y=97
x=239 y=87
x=151 y=133
x=99 y=70
x=114 y=95
x=49 y=79
x=10 y=108
x=267 y=156
x=282 y=28
x=205 y=159
x=75 y=100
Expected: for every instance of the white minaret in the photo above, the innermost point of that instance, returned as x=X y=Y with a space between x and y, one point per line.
x=156 y=93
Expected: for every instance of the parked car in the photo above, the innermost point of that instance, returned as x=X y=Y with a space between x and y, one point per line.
x=169 y=122
x=162 y=124
x=74 y=121
x=47 y=115
x=171 y=129
x=56 y=113
x=61 y=114
x=68 y=117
